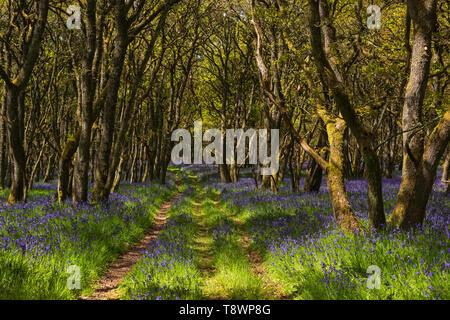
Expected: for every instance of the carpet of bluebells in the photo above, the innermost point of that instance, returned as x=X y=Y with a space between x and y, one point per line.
x=303 y=251
x=168 y=270
x=171 y=266
x=40 y=239
x=312 y=258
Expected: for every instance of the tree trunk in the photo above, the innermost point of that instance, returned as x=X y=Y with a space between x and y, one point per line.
x=446 y=169
x=163 y=174
x=65 y=163
x=118 y=174
x=29 y=186
x=413 y=199
x=314 y=178
x=3 y=145
x=234 y=173
x=15 y=114
x=224 y=173
x=49 y=173
x=326 y=60
x=420 y=161
x=390 y=161
x=357 y=165
x=15 y=97
x=100 y=192
x=146 y=169
x=133 y=165
x=335 y=178
x=81 y=170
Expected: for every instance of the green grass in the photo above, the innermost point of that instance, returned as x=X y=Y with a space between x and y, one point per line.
x=33 y=194
x=233 y=277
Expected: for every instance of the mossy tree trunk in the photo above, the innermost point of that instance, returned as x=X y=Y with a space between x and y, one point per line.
x=108 y=119
x=87 y=80
x=3 y=150
x=335 y=178
x=446 y=169
x=65 y=164
x=420 y=157
x=16 y=85
x=327 y=62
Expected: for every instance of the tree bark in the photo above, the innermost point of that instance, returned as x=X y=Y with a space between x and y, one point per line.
x=15 y=99
x=16 y=149
x=3 y=146
x=446 y=169
x=65 y=163
x=81 y=170
x=335 y=178
x=420 y=160
x=326 y=57
x=314 y=178
x=108 y=120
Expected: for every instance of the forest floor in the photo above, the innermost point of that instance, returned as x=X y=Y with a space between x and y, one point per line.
x=205 y=240
x=106 y=287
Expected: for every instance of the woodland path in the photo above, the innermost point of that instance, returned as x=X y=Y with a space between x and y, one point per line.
x=214 y=286
x=107 y=286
